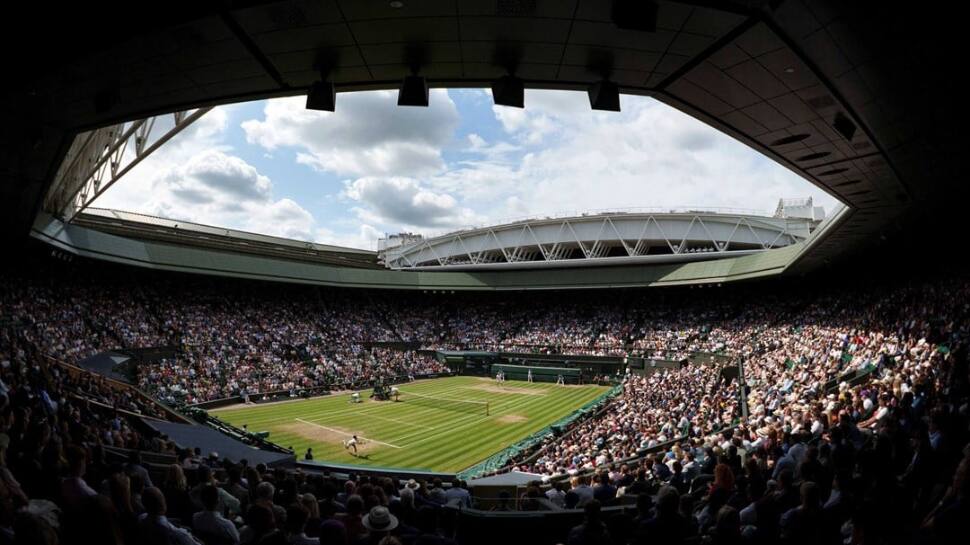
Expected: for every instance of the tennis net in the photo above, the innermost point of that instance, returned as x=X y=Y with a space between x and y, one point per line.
x=459 y=405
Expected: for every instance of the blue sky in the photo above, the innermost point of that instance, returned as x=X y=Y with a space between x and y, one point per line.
x=372 y=167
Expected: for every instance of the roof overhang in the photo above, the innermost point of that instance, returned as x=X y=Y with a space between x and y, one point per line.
x=225 y=260
x=794 y=82
x=598 y=240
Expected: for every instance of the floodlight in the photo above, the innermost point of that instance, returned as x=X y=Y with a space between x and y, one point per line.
x=322 y=96
x=509 y=91
x=604 y=95
x=413 y=92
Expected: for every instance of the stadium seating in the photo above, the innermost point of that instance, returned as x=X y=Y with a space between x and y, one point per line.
x=853 y=412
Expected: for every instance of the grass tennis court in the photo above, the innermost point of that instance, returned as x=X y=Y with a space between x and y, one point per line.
x=411 y=435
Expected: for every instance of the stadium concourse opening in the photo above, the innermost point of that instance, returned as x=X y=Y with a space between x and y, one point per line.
x=370 y=272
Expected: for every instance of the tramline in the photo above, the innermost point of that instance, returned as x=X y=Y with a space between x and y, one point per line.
x=458 y=405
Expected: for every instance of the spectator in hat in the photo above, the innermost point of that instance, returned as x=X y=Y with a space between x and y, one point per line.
x=379 y=523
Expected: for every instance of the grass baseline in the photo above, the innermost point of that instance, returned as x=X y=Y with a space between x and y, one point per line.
x=427 y=438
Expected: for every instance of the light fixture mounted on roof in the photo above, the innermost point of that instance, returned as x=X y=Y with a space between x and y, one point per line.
x=413 y=92
x=509 y=91
x=322 y=96
x=844 y=125
x=604 y=95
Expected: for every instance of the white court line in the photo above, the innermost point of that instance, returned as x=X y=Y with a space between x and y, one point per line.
x=357 y=410
x=452 y=429
x=370 y=406
x=494 y=407
x=450 y=425
x=400 y=421
x=347 y=434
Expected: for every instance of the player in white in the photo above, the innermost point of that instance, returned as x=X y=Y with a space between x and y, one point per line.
x=530 y=375
x=355 y=397
x=560 y=380
x=395 y=393
x=351 y=443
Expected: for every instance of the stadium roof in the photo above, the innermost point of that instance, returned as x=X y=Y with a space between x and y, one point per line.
x=603 y=239
x=815 y=86
x=141 y=226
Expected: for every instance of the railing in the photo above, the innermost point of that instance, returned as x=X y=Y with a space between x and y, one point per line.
x=250 y=438
x=118 y=385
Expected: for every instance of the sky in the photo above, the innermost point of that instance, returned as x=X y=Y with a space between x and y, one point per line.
x=373 y=168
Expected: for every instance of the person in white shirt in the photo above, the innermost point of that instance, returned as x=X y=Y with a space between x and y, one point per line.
x=556 y=495
x=210 y=524
x=456 y=495
x=154 y=527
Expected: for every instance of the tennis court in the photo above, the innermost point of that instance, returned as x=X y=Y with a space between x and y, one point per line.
x=438 y=424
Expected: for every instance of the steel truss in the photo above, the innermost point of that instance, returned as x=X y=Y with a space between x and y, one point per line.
x=600 y=237
x=97 y=159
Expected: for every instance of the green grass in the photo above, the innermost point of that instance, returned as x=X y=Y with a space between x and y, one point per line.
x=401 y=435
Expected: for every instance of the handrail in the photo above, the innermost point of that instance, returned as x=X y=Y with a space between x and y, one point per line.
x=122 y=411
x=117 y=384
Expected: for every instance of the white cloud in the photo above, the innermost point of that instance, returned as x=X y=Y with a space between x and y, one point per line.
x=497 y=151
x=364 y=237
x=284 y=218
x=195 y=177
x=218 y=189
x=407 y=203
x=562 y=158
x=648 y=155
x=213 y=175
x=554 y=156
x=367 y=135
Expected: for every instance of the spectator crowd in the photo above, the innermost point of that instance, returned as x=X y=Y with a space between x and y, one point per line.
x=835 y=417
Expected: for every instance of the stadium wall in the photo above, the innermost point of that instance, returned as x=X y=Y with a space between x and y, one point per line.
x=539 y=374
x=393 y=472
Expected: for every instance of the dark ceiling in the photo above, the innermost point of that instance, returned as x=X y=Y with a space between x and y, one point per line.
x=861 y=98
